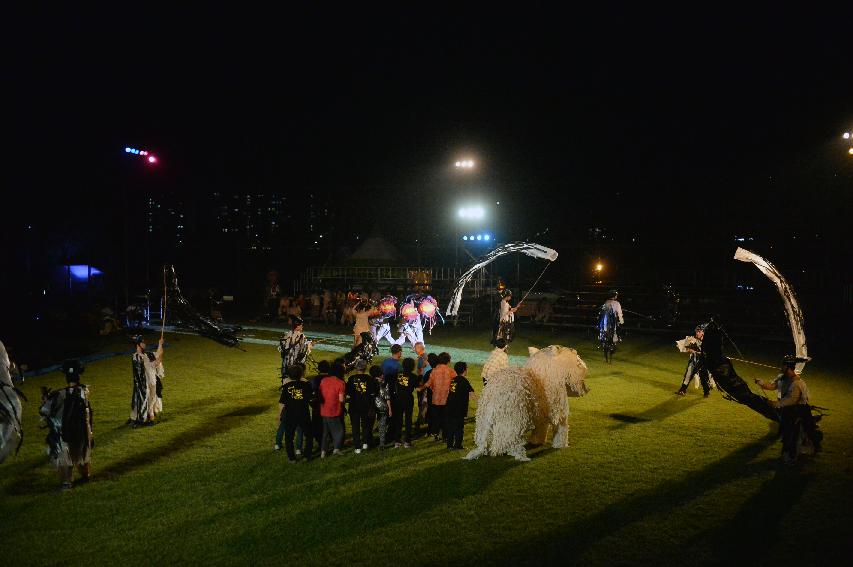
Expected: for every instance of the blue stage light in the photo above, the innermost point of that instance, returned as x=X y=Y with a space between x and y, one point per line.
x=464 y=238
x=82 y=271
x=127 y=150
x=471 y=237
x=479 y=237
x=486 y=237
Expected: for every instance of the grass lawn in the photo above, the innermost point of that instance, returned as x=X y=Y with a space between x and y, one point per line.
x=649 y=478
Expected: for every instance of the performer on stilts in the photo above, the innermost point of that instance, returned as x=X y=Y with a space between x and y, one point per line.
x=68 y=414
x=294 y=346
x=147 y=371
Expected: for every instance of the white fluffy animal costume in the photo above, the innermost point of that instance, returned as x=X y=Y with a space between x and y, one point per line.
x=517 y=401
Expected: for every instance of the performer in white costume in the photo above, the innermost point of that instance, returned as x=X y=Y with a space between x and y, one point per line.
x=148 y=371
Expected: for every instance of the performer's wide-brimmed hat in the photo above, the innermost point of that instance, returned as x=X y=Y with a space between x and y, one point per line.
x=137 y=339
x=295 y=321
x=505 y=292
x=791 y=360
x=614 y=292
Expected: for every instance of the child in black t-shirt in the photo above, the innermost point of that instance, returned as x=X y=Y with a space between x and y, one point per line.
x=361 y=389
x=296 y=396
x=457 y=406
x=403 y=402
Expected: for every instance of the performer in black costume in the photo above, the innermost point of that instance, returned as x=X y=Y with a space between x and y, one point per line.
x=725 y=376
x=68 y=415
x=365 y=350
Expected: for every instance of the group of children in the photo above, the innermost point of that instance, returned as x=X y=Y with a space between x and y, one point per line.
x=381 y=397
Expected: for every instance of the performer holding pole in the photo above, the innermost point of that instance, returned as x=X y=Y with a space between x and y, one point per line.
x=505 y=325
x=147 y=368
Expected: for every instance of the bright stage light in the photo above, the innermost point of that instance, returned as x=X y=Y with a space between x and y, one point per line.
x=152 y=159
x=471 y=237
x=479 y=237
x=599 y=267
x=475 y=212
x=127 y=150
x=850 y=151
x=486 y=237
x=846 y=135
x=464 y=238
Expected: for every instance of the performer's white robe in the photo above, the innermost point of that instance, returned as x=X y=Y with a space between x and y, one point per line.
x=412 y=331
x=145 y=404
x=10 y=408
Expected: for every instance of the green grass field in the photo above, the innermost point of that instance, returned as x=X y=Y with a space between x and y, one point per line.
x=649 y=478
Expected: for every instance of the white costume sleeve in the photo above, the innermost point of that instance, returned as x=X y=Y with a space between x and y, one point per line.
x=617 y=308
x=505 y=311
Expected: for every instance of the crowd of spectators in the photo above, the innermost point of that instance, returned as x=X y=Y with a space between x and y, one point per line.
x=380 y=402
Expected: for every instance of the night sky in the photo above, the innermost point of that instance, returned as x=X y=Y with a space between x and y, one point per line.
x=659 y=125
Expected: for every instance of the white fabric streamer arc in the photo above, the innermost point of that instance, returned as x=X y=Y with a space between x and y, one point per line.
x=792 y=307
x=529 y=248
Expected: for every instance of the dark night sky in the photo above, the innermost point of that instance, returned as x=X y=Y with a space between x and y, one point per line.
x=676 y=112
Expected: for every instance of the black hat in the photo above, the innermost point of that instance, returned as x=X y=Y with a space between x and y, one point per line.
x=506 y=292
x=72 y=369
x=295 y=321
x=138 y=339
x=613 y=293
x=791 y=360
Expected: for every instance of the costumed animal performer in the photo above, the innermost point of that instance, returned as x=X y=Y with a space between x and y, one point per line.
x=380 y=326
x=11 y=428
x=294 y=346
x=518 y=401
x=505 y=324
x=68 y=414
x=497 y=360
x=797 y=427
x=145 y=403
x=695 y=362
x=362 y=311
x=611 y=315
x=725 y=376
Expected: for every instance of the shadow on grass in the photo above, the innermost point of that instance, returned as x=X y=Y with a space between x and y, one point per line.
x=663 y=410
x=744 y=536
x=360 y=512
x=28 y=483
x=185 y=440
x=581 y=535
